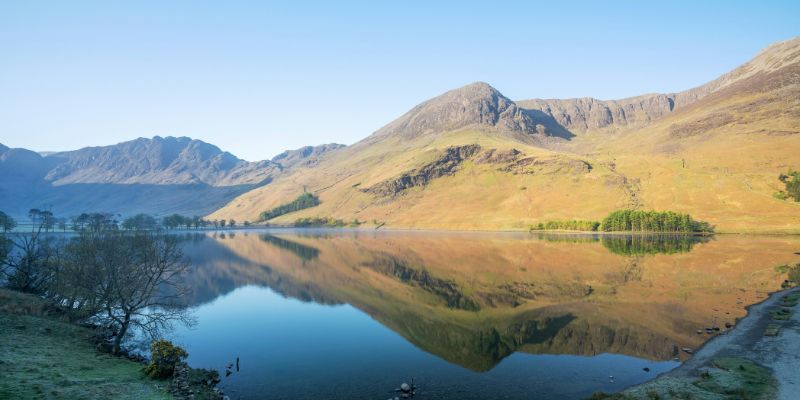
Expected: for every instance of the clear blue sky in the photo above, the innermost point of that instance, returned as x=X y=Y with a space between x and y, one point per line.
x=257 y=78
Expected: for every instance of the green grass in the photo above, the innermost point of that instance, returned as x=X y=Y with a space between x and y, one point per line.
x=737 y=378
x=724 y=379
x=41 y=358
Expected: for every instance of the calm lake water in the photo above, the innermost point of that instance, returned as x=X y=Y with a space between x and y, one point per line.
x=343 y=314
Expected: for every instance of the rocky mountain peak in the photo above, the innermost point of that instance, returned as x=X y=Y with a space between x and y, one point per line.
x=477 y=105
x=587 y=114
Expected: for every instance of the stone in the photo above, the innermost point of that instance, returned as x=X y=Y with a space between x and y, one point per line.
x=445 y=165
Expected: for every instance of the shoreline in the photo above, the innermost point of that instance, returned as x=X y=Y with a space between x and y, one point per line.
x=43 y=355
x=745 y=341
x=508 y=230
x=460 y=230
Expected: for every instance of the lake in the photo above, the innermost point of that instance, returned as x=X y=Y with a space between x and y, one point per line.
x=352 y=314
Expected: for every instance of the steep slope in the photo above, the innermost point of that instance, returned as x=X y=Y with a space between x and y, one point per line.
x=720 y=155
x=472 y=159
x=158 y=175
x=471 y=106
x=587 y=114
x=305 y=156
x=445 y=163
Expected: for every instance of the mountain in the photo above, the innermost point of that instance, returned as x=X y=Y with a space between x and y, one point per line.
x=589 y=114
x=474 y=159
x=474 y=105
x=158 y=161
x=158 y=175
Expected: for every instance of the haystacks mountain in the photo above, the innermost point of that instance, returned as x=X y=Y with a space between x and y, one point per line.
x=159 y=176
x=472 y=158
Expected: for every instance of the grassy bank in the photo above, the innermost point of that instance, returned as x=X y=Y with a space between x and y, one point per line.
x=43 y=358
x=724 y=378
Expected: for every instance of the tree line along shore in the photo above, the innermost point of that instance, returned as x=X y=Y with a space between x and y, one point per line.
x=627 y=221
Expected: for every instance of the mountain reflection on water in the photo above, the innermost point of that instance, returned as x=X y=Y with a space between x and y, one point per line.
x=474 y=299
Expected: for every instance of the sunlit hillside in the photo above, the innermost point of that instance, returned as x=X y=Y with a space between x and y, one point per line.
x=473 y=159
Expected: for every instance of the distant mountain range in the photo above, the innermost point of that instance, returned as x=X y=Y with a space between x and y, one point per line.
x=158 y=175
x=474 y=159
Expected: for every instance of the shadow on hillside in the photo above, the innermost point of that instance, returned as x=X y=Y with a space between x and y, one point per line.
x=127 y=199
x=552 y=126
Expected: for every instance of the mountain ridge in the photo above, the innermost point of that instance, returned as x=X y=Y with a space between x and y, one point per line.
x=583 y=114
x=679 y=151
x=162 y=174
x=472 y=158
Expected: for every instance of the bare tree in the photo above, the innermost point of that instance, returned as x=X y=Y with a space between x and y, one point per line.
x=124 y=281
x=144 y=285
x=31 y=261
x=80 y=284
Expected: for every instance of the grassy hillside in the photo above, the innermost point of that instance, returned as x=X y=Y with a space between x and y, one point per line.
x=717 y=157
x=41 y=358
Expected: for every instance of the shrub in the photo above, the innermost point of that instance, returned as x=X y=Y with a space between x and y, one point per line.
x=791 y=180
x=319 y=221
x=570 y=225
x=165 y=356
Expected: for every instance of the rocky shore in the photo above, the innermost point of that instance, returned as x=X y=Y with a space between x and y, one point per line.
x=195 y=384
x=757 y=359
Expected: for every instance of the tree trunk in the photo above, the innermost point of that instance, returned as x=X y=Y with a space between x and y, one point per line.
x=123 y=329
